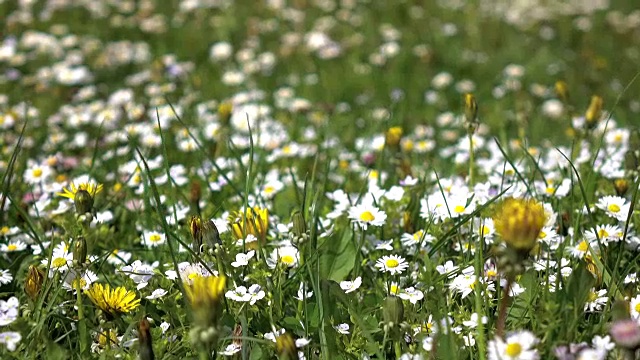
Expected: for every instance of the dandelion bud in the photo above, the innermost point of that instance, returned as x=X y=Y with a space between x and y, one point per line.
x=210 y=234
x=286 y=347
x=254 y=221
x=195 y=228
x=224 y=113
x=519 y=222
x=83 y=202
x=392 y=310
x=393 y=136
x=626 y=334
x=594 y=111
x=471 y=112
x=562 y=91
x=145 y=340
x=80 y=251
x=621 y=186
x=33 y=282
x=299 y=225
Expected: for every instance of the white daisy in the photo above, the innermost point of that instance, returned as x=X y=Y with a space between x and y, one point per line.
x=153 y=238
x=287 y=255
x=596 y=300
x=614 y=206
x=393 y=264
x=367 y=214
x=516 y=346
x=5 y=277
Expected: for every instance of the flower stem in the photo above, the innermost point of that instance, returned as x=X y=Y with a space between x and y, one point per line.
x=82 y=325
x=504 y=302
x=471 y=159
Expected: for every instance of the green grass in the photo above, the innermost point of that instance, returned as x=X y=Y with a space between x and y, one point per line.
x=161 y=164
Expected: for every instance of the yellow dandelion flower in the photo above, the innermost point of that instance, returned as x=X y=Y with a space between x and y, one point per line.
x=255 y=221
x=519 y=222
x=72 y=190
x=112 y=301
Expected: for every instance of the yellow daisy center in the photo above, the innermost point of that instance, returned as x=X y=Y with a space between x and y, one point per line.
x=288 y=259
x=542 y=235
x=59 y=262
x=392 y=263
x=417 y=236
x=513 y=349
x=394 y=289
x=458 y=209
x=592 y=296
x=484 y=230
x=583 y=246
x=155 y=238
x=613 y=208
x=637 y=307
x=602 y=233
x=37 y=172
x=12 y=247
x=367 y=216
x=550 y=190
x=4 y=230
x=269 y=189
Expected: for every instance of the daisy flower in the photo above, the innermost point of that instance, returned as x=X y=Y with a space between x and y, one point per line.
x=516 y=346
x=614 y=206
x=596 y=300
x=37 y=173
x=13 y=246
x=118 y=257
x=351 y=286
x=71 y=280
x=287 y=255
x=153 y=238
x=634 y=307
x=367 y=214
x=5 y=277
x=393 y=264
x=581 y=249
x=61 y=260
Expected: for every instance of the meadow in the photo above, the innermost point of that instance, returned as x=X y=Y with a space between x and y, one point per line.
x=319 y=179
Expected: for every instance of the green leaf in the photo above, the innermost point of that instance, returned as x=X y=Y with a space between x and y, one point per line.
x=337 y=257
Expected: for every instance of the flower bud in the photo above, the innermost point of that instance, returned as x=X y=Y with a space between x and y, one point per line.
x=562 y=91
x=286 y=347
x=210 y=234
x=299 y=225
x=80 y=251
x=224 y=113
x=195 y=228
x=145 y=340
x=392 y=310
x=83 y=202
x=594 y=112
x=33 y=282
x=470 y=112
x=621 y=186
x=393 y=136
